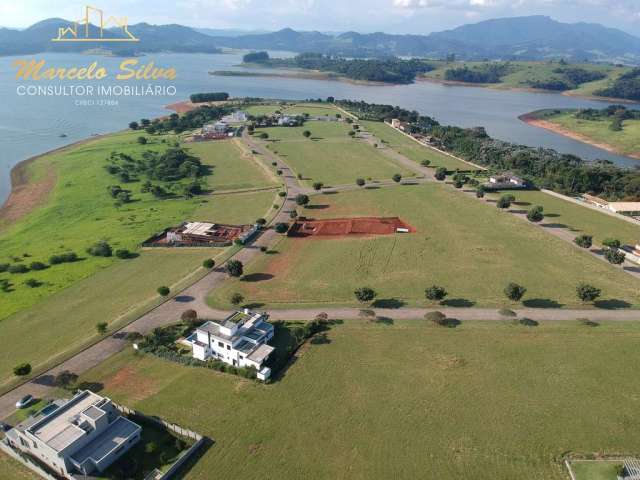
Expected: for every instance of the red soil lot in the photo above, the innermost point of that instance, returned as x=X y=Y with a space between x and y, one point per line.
x=348 y=226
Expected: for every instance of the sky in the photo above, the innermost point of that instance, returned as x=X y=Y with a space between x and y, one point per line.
x=391 y=16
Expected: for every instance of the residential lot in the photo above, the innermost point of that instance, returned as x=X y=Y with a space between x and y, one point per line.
x=469 y=247
x=329 y=155
x=377 y=400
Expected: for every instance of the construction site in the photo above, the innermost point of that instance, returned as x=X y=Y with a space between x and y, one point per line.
x=337 y=227
x=202 y=234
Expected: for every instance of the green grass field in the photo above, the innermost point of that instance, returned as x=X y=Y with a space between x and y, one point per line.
x=373 y=401
x=602 y=470
x=80 y=212
x=330 y=155
x=579 y=219
x=292 y=109
x=232 y=167
x=469 y=247
x=626 y=141
x=413 y=150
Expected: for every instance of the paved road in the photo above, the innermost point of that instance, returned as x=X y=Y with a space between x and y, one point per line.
x=194 y=297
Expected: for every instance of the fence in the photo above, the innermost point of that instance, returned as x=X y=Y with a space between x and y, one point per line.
x=26 y=461
x=184 y=432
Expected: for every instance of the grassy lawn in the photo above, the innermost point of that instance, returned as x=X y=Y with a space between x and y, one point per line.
x=470 y=248
x=13 y=470
x=578 y=219
x=626 y=141
x=330 y=155
x=601 y=470
x=373 y=401
x=80 y=212
x=313 y=109
x=232 y=167
x=413 y=150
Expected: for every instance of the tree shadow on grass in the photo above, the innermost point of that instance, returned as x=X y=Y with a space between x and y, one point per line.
x=383 y=320
x=522 y=204
x=253 y=305
x=184 y=298
x=458 y=302
x=553 y=225
x=272 y=252
x=95 y=387
x=452 y=322
x=391 y=303
x=552 y=215
x=317 y=207
x=516 y=211
x=611 y=304
x=541 y=303
x=46 y=380
x=256 y=277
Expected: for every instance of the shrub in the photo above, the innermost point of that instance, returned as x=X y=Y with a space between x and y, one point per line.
x=261 y=222
x=436 y=317
x=189 y=316
x=101 y=327
x=527 y=322
x=163 y=291
x=318 y=185
x=22 y=369
x=32 y=283
x=425 y=163
x=503 y=202
x=441 y=173
x=302 y=199
x=142 y=140
x=614 y=256
x=282 y=194
x=123 y=253
x=584 y=241
x=18 y=268
x=360 y=182
x=236 y=299
x=505 y=312
x=535 y=214
x=397 y=177
x=100 y=249
x=611 y=243
x=37 y=266
x=208 y=263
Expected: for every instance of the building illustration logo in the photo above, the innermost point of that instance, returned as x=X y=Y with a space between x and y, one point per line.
x=85 y=31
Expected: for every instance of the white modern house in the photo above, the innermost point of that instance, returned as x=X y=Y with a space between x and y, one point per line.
x=79 y=436
x=241 y=340
x=505 y=181
x=237 y=116
x=218 y=127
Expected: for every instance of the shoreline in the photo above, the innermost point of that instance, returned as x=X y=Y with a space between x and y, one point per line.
x=301 y=75
x=25 y=196
x=498 y=87
x=532 y=119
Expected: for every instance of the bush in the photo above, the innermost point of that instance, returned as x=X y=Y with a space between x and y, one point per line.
x=261 y=221
x=535 y=214
x=441 y=173
x=22 y=369
x=360 y=182
x=101 y=327
x=100 y=249
x=282 y=194
x=438 y=318
x=318 y=185
x=480 y=191
x=123 y=254
x=37 y=266
x=302 y=199
x=435 y=293
x=505 y=312
x=235 y=268
x=397 y=177
x=514 y=292
x=365 y=294
x=32 y=283
x=503 y=202
x=236 y=299
x=527 y=322
x=614 y=256
x=208 y=263
x=611 y=243
x=189 y=316
x=586 y=292
x=163 y=291
x=142 y=140
x=425 y=163
x=18 y=268
x=584 y=241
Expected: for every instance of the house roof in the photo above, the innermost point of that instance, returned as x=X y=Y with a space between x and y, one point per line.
x=118 y=433
x=261 y=353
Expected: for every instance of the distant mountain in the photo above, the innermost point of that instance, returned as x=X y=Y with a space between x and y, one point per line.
x=153 y=38
x=526 y=38
x=228 y=32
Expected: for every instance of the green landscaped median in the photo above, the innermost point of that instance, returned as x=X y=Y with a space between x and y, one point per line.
x=469 y=247
x=485 y=400
x=412 y=149
x=329 y=156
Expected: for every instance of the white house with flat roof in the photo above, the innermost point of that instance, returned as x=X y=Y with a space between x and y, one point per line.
x=82 y=435
x=240 y=340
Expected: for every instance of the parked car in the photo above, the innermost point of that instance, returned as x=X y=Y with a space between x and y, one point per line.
x=4 y=427
x=24 y=401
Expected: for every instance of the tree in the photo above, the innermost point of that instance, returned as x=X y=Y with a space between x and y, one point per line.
x=163 y=291
x=611 y=243
x=586 y=292
x=318 y=185
x=282 y=227
x=235 y=268
x=22 y=369
x=438 y=318
x=142 y=140
x=134 y=126
x=237 y=298
x=65 y=379
x=441 y=173
x=123 y=254
x=189 y=316
x=503 y=202
x=614 y=256
x=261 y=221
x=535 y=214
x=480 y=191
x=100 y=249
x=425 y=163
x=351 y=133
x=458 y=183
x=302 y=199
x=584 y=241
x=435 y=293
x=397 y=177
x=514 y=292
x=306 y=134
x=360 y=182
x=101 y=327
x=365 y=294
x=263 y=135
x=208 y=263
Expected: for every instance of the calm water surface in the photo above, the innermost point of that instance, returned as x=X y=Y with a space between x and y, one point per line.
x=33 y=125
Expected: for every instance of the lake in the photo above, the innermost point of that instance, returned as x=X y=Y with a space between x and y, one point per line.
x=30 y=125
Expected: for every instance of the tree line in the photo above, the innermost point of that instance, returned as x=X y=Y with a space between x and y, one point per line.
x=626 y=86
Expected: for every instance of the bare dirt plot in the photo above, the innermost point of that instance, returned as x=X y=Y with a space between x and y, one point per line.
x=127 y=381
x=349 y=226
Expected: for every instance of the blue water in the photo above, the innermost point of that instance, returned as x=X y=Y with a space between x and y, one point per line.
x=33 y=125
